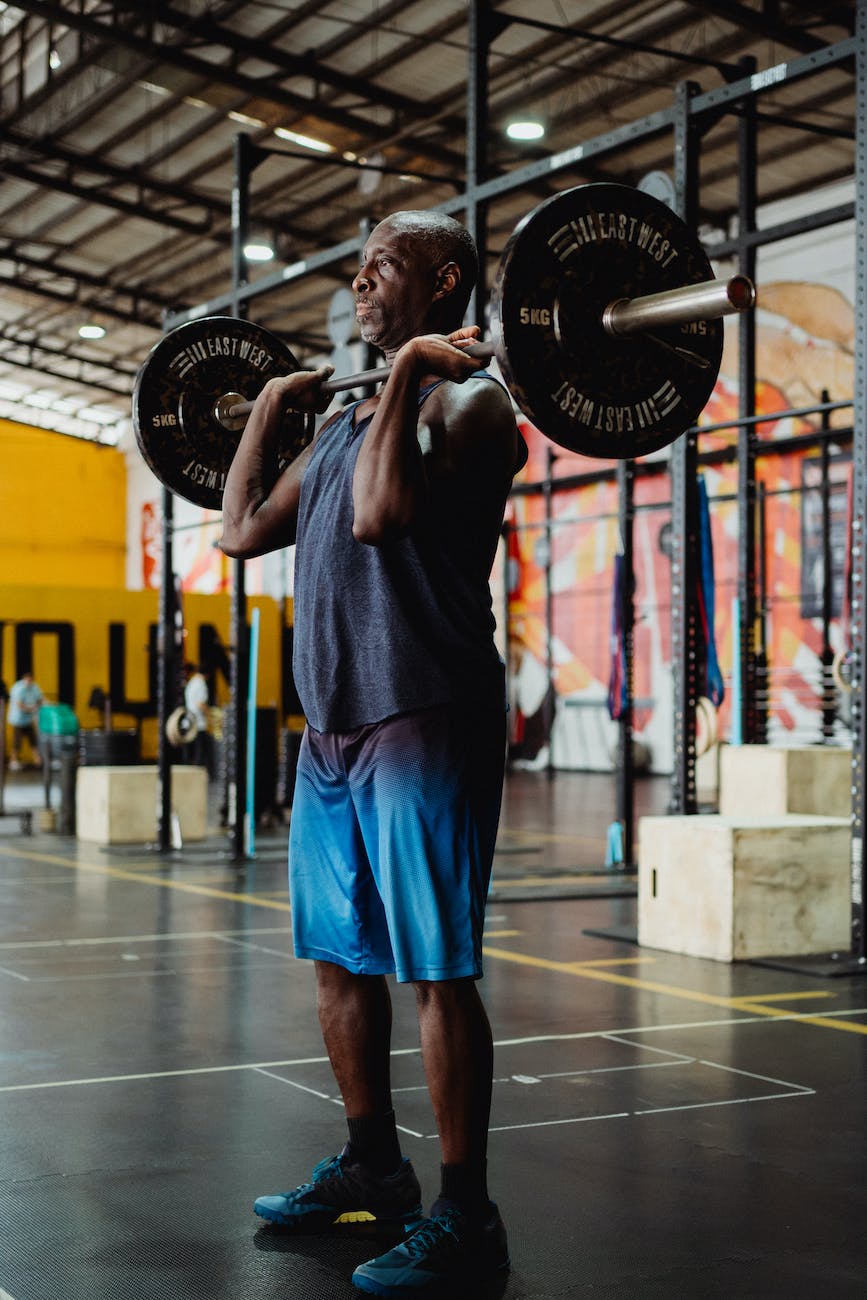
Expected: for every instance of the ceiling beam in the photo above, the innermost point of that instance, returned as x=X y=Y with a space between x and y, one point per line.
x=94 y=194
x=288 y=64
x=96 y=165
x=765 y=23
x=74 y=302
x=10 y=345
x=271 y=90
x=137 y=294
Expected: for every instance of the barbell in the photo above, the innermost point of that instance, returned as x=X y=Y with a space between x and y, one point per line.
x=605 y=321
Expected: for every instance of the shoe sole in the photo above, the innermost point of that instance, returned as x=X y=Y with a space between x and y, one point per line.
x=348 y=1220
x=437 y=1290
x=448 y=1287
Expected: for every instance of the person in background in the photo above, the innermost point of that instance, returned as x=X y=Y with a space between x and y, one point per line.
x=196 y=702
x=25 y=701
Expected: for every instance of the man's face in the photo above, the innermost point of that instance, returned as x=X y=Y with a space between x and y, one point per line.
x=393 y=289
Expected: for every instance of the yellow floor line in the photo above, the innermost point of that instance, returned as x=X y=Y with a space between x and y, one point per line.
x=784 y=997
x=582 y=969
x=614 y=961
x=541 y=881
x=670 y=990
x=140 y=878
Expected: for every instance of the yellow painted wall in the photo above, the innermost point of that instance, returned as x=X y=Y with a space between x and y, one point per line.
x=89 y=612
x=62 y=510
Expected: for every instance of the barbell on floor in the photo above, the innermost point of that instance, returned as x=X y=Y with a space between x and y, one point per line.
x=605 y=323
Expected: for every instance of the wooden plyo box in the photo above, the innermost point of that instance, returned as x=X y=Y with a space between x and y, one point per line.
x=764 y=780
x=735 y=888
x=118 y=805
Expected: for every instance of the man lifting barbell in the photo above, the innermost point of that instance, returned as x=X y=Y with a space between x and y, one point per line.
x=605 y=322
x=396 y=509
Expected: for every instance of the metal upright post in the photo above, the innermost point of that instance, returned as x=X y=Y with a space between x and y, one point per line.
x=829 y=694
x=549 y=705
x=752 y=718
x=684 y=510
x=625 y=763
x=237 y=765
x=859 y=510
x=763 y=673
x=479 y=22
x=166 y=674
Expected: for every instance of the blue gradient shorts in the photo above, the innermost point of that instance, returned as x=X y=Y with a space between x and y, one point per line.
x=391 y=843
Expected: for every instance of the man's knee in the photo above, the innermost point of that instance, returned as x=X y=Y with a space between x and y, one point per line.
x=445 y=993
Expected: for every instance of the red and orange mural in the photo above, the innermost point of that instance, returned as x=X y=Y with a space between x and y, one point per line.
x=805 y=346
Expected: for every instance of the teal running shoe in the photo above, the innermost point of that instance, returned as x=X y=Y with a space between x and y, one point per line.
x=446 y=1255
x=342 y=1194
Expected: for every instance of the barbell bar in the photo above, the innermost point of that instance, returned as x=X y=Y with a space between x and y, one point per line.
x=605 y=319
x=624 y=316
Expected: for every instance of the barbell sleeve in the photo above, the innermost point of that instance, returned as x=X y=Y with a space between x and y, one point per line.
x=708 y=300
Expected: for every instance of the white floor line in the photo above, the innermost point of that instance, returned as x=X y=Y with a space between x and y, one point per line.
x=726 y=1022
x=763 y=1078
x=13 y=974
x=551 y=1123
x=302 y=1087
x=325 y=1097
x=730 y=1101
x=142 y=938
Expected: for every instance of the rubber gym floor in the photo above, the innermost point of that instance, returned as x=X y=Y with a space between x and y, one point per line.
x=662 y=1126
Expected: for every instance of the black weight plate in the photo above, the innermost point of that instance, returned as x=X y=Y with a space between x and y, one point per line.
x=586 y=390
x=176 y=392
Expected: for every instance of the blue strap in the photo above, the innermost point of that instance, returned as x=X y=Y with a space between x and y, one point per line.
x=714 y=687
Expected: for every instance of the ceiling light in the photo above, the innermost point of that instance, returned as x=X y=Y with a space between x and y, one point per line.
x=245 y=119
x=258 y=251
x=307 y=141
x=91 y=331
x=526 y=130
x=154 y=88
x=54 y=60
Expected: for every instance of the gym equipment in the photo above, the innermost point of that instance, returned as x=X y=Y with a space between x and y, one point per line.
x=181 y=727
x=605 y=322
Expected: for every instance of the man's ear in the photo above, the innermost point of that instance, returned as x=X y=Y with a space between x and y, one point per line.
x=447 y=279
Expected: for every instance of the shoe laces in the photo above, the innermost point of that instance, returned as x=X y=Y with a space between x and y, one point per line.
x=433 y=1232
x=330 y=1167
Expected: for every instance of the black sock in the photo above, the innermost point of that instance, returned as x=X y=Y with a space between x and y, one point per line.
x=374 y=1143
x=466 y=1186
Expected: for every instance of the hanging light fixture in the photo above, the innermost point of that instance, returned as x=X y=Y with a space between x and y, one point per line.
x=525 y=129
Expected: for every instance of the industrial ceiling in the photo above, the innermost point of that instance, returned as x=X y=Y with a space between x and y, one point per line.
x=118 y=124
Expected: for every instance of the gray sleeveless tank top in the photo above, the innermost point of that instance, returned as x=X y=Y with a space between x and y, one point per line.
x=381 y=630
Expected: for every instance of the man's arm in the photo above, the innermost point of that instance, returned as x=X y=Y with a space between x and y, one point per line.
x=389 y=487
x=260 y=505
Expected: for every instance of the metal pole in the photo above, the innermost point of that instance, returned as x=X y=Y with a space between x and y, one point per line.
x=829 y=695
x=684 y=511
x=550 y=692
x=243 y=165
x=479 y=26
x=763 y=676
x=625 y=757
x=752 y=730
x=859 y=507
x=166 y=675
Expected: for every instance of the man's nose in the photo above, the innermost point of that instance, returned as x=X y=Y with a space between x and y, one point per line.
x=361 y=280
